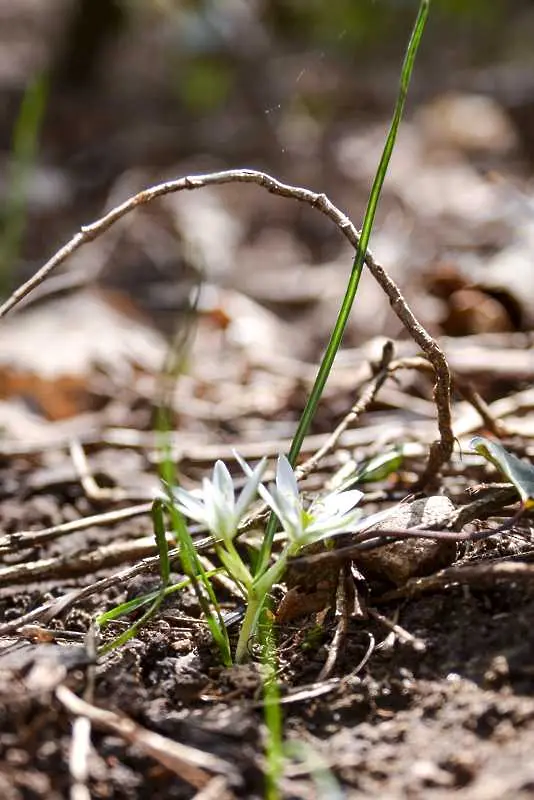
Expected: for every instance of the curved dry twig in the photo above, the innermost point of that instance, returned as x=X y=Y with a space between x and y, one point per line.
x=440 y=451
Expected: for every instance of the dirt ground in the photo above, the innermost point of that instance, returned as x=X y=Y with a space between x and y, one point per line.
x=404 y=671
x=443 y=704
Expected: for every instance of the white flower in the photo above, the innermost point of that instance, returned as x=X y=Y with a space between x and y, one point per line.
x=327 y=516
x=215 y=505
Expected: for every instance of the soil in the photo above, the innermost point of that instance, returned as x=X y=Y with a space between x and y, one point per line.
x=444 y=708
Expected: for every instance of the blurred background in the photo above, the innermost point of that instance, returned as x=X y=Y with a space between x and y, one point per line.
x=101 y=98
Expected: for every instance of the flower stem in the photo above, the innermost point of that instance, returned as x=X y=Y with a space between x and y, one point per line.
x=236 y=567
x=254 y=606
x=255 y=600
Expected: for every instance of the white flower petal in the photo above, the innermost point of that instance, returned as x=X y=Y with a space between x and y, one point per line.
x=213 y=508
x=188 y=499
x=247 y=469
x=250 y=490
x=291 y=516
x=286 y=483
x=335 y=525
x=191 y=510
x=222 y=480
x=286 y=509
x=187 y=512
x=336 y=503
x=351 y=522
x=290 y=504
x=270 y=498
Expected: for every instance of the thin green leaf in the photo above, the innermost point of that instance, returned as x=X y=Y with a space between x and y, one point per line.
x=132 y=605
x=158 y=522
x=357 y=267
x=23 y=157
x=192 y=566
x=326 y=785
x=518 y=472
x=380 y=467
x=375 y=469
x=274 y=720
x=126 y=608
x=130 y=632
x=157 y=596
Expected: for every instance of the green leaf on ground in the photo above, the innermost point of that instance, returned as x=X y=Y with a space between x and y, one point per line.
x=516 y=471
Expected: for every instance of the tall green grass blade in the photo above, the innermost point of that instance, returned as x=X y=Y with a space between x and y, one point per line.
x=172 y=369
x=357 y=267
x=23 y=155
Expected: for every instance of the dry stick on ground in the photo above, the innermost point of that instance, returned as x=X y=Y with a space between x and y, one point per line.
x=342 y=627
x=483 y=409
x=373 y=537
x=80 y=747
x=402 y=634
x=208 y=453
x=496 y=426
x=478 y=576
x=188 y=763
x=91 y=488
x=84 y=563
x=493 y=501
x=59 y=605
x=441 y=450
x=19 y=541
x=217 y=789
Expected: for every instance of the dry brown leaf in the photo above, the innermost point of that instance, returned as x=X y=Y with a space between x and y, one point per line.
x=50 y=353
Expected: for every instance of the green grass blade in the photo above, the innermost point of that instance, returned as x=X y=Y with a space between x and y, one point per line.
x=273 y=715
x=373 y=470
x=156 y=597
x=357 y=267
x=24 y=151
x=130 y=632
x=126 y=608
x=132 y=605
x=158 y=523
x=326 y=785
